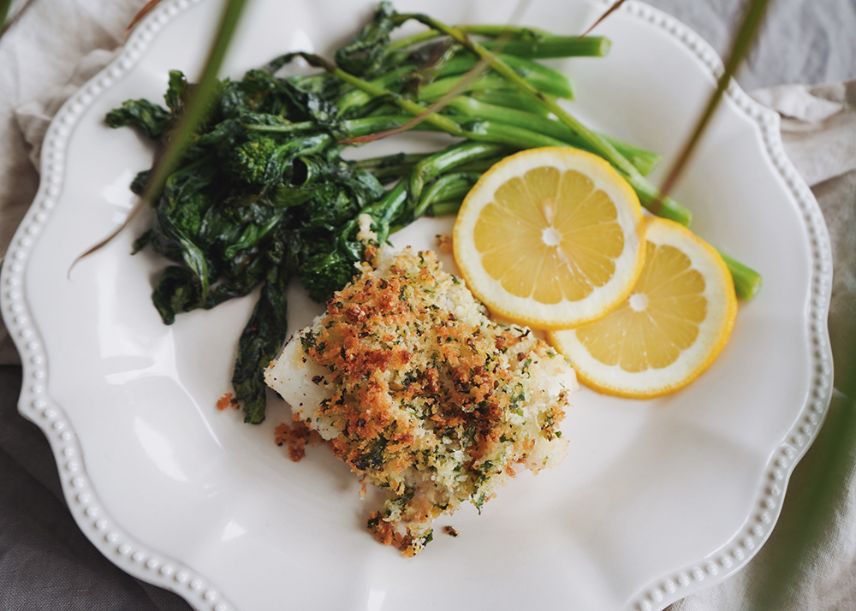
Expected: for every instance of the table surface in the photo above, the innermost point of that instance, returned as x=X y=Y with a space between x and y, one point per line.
x=45 y=559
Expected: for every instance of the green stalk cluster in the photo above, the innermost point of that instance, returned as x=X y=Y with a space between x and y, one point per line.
x=520 y=106
x=262 y=194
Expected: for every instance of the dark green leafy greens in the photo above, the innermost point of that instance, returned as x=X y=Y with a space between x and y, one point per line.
x=364 y=55
x=246 y=210
x=143 y=115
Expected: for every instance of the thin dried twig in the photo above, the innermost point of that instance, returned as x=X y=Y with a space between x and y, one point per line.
x=195 y=112
x=437 y=106
x=147 y=8
x=743 y=40
x=477 y=70
x=615 y=6
x=5 y=22
x=5 y=7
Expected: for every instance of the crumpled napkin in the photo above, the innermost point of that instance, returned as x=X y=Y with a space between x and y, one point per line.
x=40 y=60
x=810 y=560
x=819 y=132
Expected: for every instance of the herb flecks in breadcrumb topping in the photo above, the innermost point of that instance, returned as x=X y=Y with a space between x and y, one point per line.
x=424 y=395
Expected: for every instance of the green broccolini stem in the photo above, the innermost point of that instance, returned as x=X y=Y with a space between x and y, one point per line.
x=413 y=108
x=526 y=41
x=431 y=167
x=480 y=166
x=437 y=89
x=432 y=170
x=747 y=281
x=385 y=161
x=293 y=128
x=511 y=98
x=546 y=80
x=480 y=30
x=482 y=131
x=449 y=187
x=642 y=159
x=552 y=46
x=516 y=137
x=599 y=145
x=510 y=135
x=351 y=128
x=504 y=29
x=603 y=148
x=409 y=41
x=443 y=208
x=649 y=196
x=357 y=98
x=543 y=78
x=390 y=166
x=645 y=160
x=386 y=210
x=354 y=128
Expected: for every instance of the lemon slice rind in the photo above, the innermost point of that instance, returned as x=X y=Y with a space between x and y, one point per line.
x=526 y=310
x=713 y=332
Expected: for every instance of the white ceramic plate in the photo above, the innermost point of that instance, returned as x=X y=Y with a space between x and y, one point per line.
x=656 y=499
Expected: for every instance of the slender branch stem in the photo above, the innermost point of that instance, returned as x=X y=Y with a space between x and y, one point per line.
x=5 y=5
x=543 y=78
x=644 y=160
x=603 y=148
x=194 y=114
x=481 y=30
x=521 y=41
x=752 y=19
x=410 y=106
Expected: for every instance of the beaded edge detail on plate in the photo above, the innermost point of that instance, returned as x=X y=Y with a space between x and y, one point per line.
x=145 y=563
x=34 y=403
x=737 y=552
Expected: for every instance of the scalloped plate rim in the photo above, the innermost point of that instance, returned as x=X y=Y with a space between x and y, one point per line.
x=156 y=568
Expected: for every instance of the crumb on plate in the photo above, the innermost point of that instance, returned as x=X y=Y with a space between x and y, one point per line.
x=295 y=437
x=226 y=401
x=444 y=243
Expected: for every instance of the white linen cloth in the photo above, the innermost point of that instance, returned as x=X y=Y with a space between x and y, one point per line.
x=810 y=561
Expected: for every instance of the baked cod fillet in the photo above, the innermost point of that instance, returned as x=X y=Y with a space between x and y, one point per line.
x=421 y=394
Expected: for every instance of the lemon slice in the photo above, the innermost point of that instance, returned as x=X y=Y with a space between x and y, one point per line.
x=669 y=330
x=550 y=237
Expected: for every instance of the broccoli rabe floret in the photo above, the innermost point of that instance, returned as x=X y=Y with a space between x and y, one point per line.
x=249 y=161
x=263 y=161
